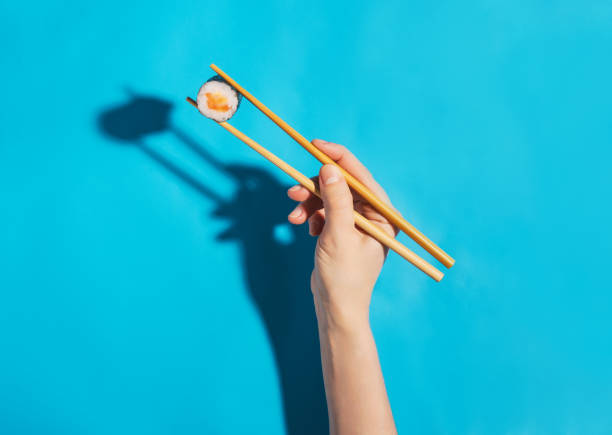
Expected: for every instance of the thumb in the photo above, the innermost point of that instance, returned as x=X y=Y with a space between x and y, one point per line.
x=337 y=199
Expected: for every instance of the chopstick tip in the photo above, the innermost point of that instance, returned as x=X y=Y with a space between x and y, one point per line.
x=192 y=102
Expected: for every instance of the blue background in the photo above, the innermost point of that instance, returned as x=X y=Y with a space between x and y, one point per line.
x=150 y=285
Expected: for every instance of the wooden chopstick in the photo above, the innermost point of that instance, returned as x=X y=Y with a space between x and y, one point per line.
x=372 y=229
x=393 y=216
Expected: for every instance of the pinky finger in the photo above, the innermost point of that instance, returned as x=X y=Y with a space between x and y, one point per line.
x=316 y=223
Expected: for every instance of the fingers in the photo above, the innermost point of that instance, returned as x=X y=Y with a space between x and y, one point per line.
x=309 y=203
x=305 y=209
x=343 y=157
x=310 y=208
x=299 y=193
x=337 y=200
x=316 y=222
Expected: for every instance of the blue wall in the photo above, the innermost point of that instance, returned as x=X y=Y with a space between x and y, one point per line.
x=150 y=285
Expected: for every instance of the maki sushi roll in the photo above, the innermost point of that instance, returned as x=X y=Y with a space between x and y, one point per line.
x=218 y=100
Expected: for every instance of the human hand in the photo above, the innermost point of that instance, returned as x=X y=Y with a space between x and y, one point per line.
x=347 y=261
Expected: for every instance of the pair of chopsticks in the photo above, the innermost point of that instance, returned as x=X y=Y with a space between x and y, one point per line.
x=372 y=229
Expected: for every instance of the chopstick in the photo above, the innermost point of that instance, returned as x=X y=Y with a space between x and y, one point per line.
x=372 y=229
x=393 y=216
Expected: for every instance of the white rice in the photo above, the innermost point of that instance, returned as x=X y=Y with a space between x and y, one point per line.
x=217 y=100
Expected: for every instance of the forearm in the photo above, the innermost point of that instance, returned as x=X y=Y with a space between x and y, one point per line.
x=356 y=396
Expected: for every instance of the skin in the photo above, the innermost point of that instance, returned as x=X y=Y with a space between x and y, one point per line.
x=347 y=265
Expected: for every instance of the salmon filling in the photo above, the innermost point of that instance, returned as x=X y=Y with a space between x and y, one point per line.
x=216 y=101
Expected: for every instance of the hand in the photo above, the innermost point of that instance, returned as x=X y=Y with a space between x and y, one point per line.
x=347 y=261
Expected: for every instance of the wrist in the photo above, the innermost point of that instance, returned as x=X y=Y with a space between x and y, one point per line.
x=334 y=316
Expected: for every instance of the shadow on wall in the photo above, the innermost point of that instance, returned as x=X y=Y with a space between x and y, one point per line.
x=272 y=263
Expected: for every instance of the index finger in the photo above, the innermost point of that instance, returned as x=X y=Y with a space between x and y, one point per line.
x=351 y=164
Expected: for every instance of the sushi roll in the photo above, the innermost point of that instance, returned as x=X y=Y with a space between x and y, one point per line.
x=218 y=100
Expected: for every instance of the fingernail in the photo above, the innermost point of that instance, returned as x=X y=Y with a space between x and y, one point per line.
x=330 y=174
x=296 y=213
x=294 y=188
